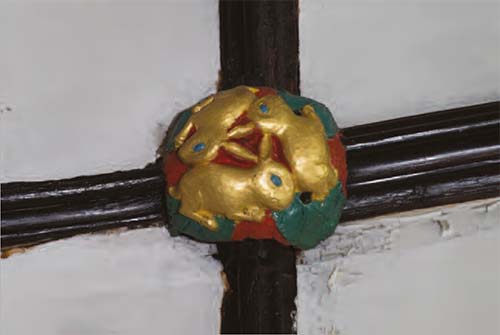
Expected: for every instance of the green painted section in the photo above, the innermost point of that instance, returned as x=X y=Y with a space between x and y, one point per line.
x=305 y=225
x=179 y=224
x=297 y=102
x=176 y=128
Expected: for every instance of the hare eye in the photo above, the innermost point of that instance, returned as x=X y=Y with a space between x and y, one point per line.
x=264 y=108
x=199 y=147
x=276 y=180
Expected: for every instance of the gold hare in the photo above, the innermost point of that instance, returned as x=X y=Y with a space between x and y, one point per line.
x=210 y=121
x=304 y=142
x=208 y=190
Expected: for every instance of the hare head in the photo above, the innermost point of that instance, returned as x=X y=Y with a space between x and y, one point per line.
x=271 y=113
x=273 y=182
x=199 y=148
x=211 y=118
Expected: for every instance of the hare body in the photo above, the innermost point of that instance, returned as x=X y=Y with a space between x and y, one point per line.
x=209 y=190
x=303 y=140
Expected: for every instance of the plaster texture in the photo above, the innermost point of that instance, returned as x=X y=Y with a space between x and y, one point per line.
x=91 y=87
x=134 y=282
x=375 y=60
x=430 y=272
x=426 y=272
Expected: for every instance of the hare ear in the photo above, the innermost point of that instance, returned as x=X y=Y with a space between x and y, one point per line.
x=199 y=106
x=240 y=151
x=265 y=147
x=183 y=135
x=241 y=131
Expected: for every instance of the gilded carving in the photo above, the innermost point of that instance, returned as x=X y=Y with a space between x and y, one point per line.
x=238 y=194
x=242 y=161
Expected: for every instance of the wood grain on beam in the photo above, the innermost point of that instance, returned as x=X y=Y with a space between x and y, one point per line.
x=396 y=165
x=259 y=43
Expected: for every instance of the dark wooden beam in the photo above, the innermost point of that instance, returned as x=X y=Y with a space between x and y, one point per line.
x=259 y=45
x=422 y=161
x=262 y=281
x=34 y=212
x=396 y=165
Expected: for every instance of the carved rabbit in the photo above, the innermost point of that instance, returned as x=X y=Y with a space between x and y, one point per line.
x=210 y=122
x=303 y=139
x=208 y=190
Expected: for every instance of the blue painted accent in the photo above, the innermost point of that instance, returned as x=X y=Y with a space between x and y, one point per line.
x=276 y=180
x=264 y=108
x=198 y=147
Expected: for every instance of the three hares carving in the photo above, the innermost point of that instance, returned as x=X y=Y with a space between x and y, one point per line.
x=209 y=189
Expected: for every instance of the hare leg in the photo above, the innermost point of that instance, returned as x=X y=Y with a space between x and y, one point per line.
x=324 y=188
x=239 y=151
x=203 y=217
x=255 y=214
x=206 y=219
x=319 y=196
x=308 y=112
x=174 y=192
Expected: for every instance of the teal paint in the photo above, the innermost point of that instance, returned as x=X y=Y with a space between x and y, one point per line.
x=305 y=225
x=180 y=224
x=297 y=102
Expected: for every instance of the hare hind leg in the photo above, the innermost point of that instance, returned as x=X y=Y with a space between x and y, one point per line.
x=203 y=217
x=325 y=184
x=308 y=112
x=252 y=213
